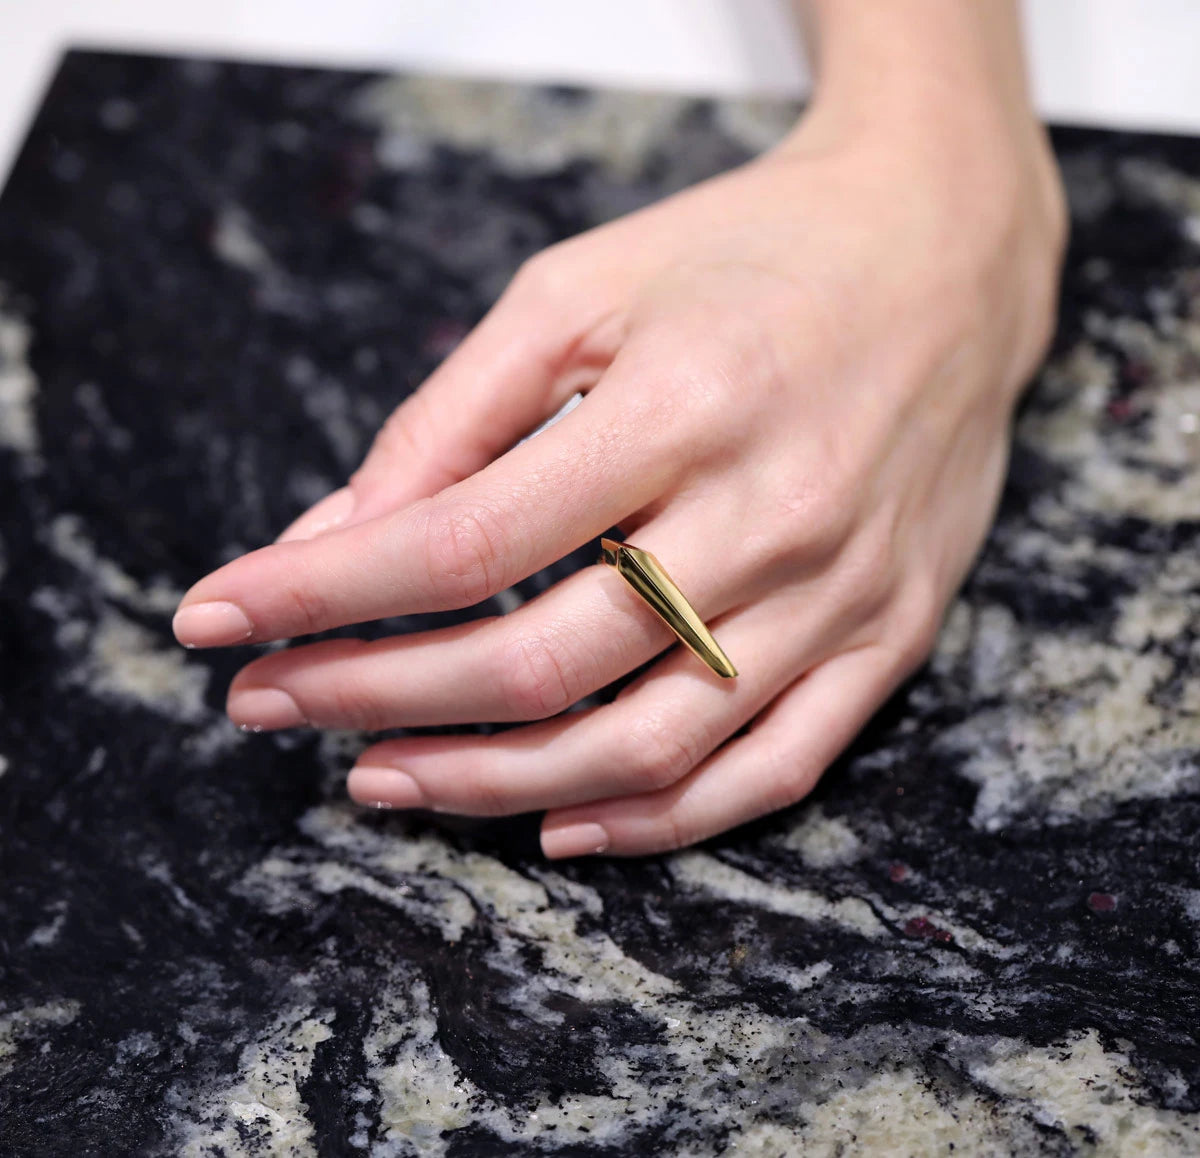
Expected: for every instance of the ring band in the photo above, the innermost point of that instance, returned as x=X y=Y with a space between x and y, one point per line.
x=645 y=574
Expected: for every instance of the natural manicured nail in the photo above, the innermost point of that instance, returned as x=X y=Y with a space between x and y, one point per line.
x=384 y=787
x=574 y=840
x=211 y=625
x=263 y=709
x=330 y=512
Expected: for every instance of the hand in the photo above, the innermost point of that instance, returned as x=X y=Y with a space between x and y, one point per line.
x=799 y=379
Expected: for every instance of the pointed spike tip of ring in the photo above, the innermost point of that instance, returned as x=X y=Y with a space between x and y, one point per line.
x=647 y=576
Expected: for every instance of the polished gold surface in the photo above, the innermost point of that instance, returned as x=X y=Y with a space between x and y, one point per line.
x=645 y=574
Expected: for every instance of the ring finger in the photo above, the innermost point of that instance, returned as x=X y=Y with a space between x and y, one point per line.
x=651 y=736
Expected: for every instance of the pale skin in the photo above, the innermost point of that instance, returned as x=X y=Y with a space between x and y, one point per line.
x=799 y=381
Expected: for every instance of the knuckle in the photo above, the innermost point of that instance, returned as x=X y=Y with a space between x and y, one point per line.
x=826 y=518
x=397 y=444
x=464 y=552
x=675 y=831
x=483 y=794
x=919 y=615
x=536 y=677
x=542 y=277
x=661 y=752
x=810 y=522
x=357 y=708
x=795 y=778
x=310 y=611
x=726 y=371
x=704 y=382
x=351 y=702
x=400 y=434
x=704 y=399
x=785 y=770
x=869 y=574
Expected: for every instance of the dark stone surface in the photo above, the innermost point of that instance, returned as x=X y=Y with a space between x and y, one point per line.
x=981 y=930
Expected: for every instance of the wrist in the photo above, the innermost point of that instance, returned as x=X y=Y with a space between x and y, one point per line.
x=932 y=52
x=938 y=145
x=939 y=87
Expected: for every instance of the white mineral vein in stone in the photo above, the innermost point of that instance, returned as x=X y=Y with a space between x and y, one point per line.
x=126 y=663
x=709 y=876
x=115 y=658
x=453 y=910
x=159 y=871
x=893 y=1113
x=203 y=746
x=523 y=913
x=1074 y=1087
x=956 y=638
x=1109 y=741
x=91 y=401
x=1108 y=475
x=421 y=1091
x=995 y=654
x=1082 y=1089
x=47 y=933
x=964 y=936
x=136 y=1045
x=520 y=906
x=563 y=889
x=67 y=537
x=18 y=386
x=1172 y=188
x=1162 y=613
x=1191 y=903
x=233 y=241
x=789 y=975
x=1077 y=722
x=823 y=841
x=132 y=933
x=18 y=1024
x=259 y=1112
x=525 y=132
x=330 y=406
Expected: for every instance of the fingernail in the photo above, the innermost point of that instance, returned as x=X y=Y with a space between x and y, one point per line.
x=211 y=625
x=384 y=787
x=259 y=709
x=330 y=512
x=574 y=840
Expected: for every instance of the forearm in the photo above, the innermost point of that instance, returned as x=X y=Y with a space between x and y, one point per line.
x=929 y=99
x=961 y=56
x=941 y=83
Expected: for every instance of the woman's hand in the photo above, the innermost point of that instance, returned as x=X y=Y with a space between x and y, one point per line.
x=799 y=379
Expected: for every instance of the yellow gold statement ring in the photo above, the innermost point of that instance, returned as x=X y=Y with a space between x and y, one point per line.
x=645 y=574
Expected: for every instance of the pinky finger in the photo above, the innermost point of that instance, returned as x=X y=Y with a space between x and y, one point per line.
x=774 y=765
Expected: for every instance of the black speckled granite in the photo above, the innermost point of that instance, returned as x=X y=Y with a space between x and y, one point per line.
x=980 y=934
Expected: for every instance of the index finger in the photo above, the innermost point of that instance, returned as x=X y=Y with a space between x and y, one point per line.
x=531 y=506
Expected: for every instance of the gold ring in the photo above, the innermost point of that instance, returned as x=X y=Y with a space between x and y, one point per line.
x=645 y=574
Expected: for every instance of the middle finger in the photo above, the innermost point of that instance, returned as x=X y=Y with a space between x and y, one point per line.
x=651 y=736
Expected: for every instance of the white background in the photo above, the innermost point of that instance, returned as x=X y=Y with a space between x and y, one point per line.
x=1107 y=62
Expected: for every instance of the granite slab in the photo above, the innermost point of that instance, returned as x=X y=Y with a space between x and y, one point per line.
x=978 y=936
